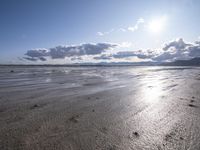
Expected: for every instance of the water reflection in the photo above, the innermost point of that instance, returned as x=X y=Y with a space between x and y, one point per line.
x=150 y=102
x=152 y=89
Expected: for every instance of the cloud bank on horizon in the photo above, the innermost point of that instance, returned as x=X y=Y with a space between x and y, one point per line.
x=174 y=50
x=61 y=52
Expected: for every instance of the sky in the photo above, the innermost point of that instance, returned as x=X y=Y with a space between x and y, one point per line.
x=79 y=31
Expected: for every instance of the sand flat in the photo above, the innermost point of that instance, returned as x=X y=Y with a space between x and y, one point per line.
x=99 y=108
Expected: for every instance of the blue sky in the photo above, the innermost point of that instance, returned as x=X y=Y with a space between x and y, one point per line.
x=46 y=24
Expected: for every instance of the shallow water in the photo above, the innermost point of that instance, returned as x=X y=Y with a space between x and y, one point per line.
x=100 y=108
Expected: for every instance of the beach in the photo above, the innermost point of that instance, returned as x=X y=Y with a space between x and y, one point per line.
x=99 y=108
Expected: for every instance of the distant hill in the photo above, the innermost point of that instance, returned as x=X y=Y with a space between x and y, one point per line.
x=191 y=62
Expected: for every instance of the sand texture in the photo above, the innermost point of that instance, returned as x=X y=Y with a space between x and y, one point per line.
x=99 y=108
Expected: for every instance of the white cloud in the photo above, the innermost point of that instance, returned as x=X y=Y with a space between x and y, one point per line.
x=100 y=34
x=136 y=26
x=130 y=28
x=105 y=33
x=125 y=45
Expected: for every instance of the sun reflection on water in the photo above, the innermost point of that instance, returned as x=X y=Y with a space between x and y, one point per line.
x=151 y=96
x=152 y=89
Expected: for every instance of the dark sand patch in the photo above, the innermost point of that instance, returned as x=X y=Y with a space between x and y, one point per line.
x=104 y=130
x=74 y=119
x=34 y=106
x=169 y=136
x=136 y=134
x=37 y=106
x=192 y=101
x=191 y=105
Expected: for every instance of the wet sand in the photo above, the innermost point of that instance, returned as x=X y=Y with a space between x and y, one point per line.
x=99 y=108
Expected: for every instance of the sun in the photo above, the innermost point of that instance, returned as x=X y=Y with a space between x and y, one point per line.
x=157 y=25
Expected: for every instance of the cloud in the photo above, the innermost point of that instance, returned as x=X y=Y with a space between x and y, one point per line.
x=30 y=58
x=35 y=59
x=140 y=54
x=42 y=59
x=105 y=33
x=130 y=28
x=178 y=44
x=125 y=44
x=61 y=52
x=37 y=52
x=178 y=49
x=76 y=58
x=103 y=57
x=174 y=50
x=194 y=51
x=136 y=26
x=100 y=33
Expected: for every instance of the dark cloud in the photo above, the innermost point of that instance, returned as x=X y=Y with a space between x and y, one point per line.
x=60 y=52
x=164 y=57
x=42 y=59
x=30 y=58
x=103 y=57
x=194 y=51
x=124 y=54
x=37 y=53
x=34 y=58
x=140 y=54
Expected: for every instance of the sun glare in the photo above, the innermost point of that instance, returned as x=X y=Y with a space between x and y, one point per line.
x=157 y=25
